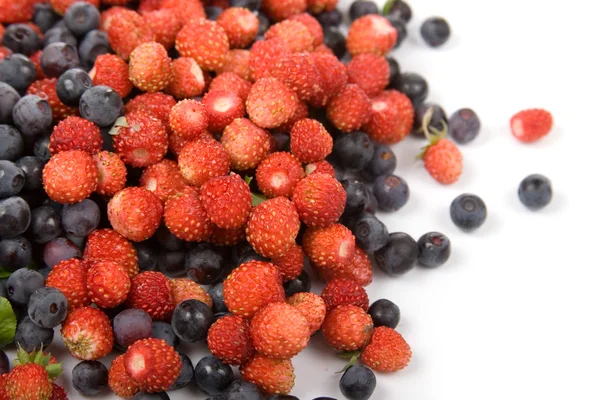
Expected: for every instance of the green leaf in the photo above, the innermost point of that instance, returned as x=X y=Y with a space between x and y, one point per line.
x=388 y=7
x=248 y=179
x=4 y=273
x=8 y=322
x=257 y=199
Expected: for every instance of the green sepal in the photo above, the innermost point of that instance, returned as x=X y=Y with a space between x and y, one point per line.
x=353 y=361
x=45 y=360
x=248 y=179
x=54 y=370
x=23 y=357
x=257 y=199
x=387 y=7
x=38 y=357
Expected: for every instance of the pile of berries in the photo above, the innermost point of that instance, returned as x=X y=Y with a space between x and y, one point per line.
x=177 y=172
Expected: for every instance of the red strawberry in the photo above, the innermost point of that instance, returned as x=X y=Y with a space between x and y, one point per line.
x=205 y=41
x=153 y=364
x=119 y=380
x=46 y=89
x=299 y=72
x=323 y=49
x=3 y=377
x=272 y=227
x=110 y=70
x=135 y=213
x=186 y=217
x=278 y=174
x=152 y=292
x=58 y=393
x=370 y=72
x=61 y=6
x=320 y=167
x=270 y=375
x=229 y=340
x=201 y=160
x=150 y=67
x=311 y=306
x=319 y=6
x=188 y=119
x=443 y=161
x=69 y=276
x=70 y=176
x=238 y=62
x=227 y=237
x=347 y=328
x=531 y=125
x=295 y=35
x=392 y=116
x=107 y=15
x=278 y=10
x=387 y=351
x=246 y=144
x=240 y=25
x=310 y=141
x=31 y=377
x=251 y=286
x=164 y=24
x=360 y=269
x=126 y=31
x=87 y=333
x=108 y=284
x=177 y=143
x=227 y=200
x=349 y=109
x=186 y=10
x=333 y=77
x=371 y=34
x=320 y=200
x=329 y=248
x=109 y=245
x=270 y=103
x=342 y=292
x=313 y=26
x=163 y=179
x=291 y=263
x=16 y=11
x=222 y=108
x=188 y=79
x=230 y=82
x=185 y=289
x=75 y=133
x=140 y=139
x=264 y=54
x=156 y=104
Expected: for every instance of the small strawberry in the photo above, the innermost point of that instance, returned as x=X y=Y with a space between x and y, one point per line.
x=323 y=49
x=46 y=89
x=70 y=176
x=152 y=292
x=150 y=67
x=246 y=144
x=156 y=104
x=319 y=6
x=278 y=174
x=119 y=380
x=320 y=167
x=295 y=35
x=69 y=276
x=311 y=306
x=227 y=237
x=387 y=351
x=186 y=289
x=186 y=217
x=75 y=133
x=313 y=26
x=164 y=24
x=112 y=173
x=279 y=330
x=135 y=213
x=310 y=141
x=109 y=245
x=370 y=72
x=360 y=269
x=341 y=292
x=107 y=283
x=222 y=108
x=186 y=10
x=240 y=25
x=329 y=248
x=371 y=33
x=392 y=116
x=300 y=112
x=3 y=377
x=229 y=339
x=333 y=77
x=126 y=31
x=187 y=80
x=163 y=179
x=270 y=375
x=291 y=263
x=140 y=139
x=16 y=11
x=153 y=364
x=349 y=109
x=531 y=125
x=320 y=200
x=110 y=70
x=299 y=72
x=205 y=41
x=270 y=103
x=58 y=393
x=347 y=328
x=87 y=333
x=251 y=286
x=231 y=82
x=201 y=160
x=238 y=62
x=264 y=54
x=188 y=119
x=32 y=376
x=278 y=10
x=227 y=200
x=107 y=15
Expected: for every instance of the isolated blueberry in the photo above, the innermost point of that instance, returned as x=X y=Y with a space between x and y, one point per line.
x=399 y=255
x=81 y=17
x=12 y=179
x=464 y=126
x=392 y=192
x=354 y=150
x=535 y=191
x=31 y=337
x=191 y=320
x=21 y=38
x=101 y=105
x=47 y=307
x=59 y=57
x=18 y=71
x=93 y=44
x=8 y=98
x=435 y=31
x=434 y=249
x=32 y=115
x=468 y=212
x=213 y=376
x=384 y=312
x=186 y=375
x=358 y=383
x=371 y=234
x=32 y=167
x=71 y=85
x=15 y=216
x=90 y=378
x=15 y=253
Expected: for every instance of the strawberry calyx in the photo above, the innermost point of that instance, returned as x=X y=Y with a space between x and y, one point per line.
x=121 y=122
x=351 y=356
x=387 y=7
x=38 y=357
x=256 y=198
x=432 y=134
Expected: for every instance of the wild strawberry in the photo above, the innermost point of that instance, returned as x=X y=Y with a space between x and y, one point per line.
x=177 y=143
x=278 y=174
x=371 y=34
x=205 y=41
x=240 y=25
x=531 y=125
x=87 y=333
x=46 y=89
x=320 y=200
x=347 y=328
x=109 y=245
x=227 y=237
x=58 y=393
x=35 y=58
x=311 y=306
x=146 y=6
x=186 y=217
x=164 y=24
x=313 y=26
x=108 y=284
x=310 y=141
x=370 y=72
x=119 y=380
x=16 y=11
x=75 y=133
x=157 y=104
x=150 y=67
x=264 y=54
x=31 y=377
x=152 y=292
x=227 y=200
x=333 y=77
x=107 y=15
x=270 y=103
x=251 y=286
x=295 y=35
x=140 y=139
x=246 y=144
x=387 y=351
x=201 y=160
x=320 y=167
x=392 y=116
x=443 y=161
x=319 y=6
x=360 y=269
x=69 y=276
x=299 y=73
x=110 y=70
x=153 y=364
x=188 y=119
x=278 y=10
x=186 y=10
x=270 y=375
x=135 y=213
x=3 y=377
x=186 y=289
x=70 y=176
x=329 y=248
x=238 y=62
x=61 y=6
x=341 y=292
x=323 y=49
x=163 y=179
x=230 y=82
x=272 y=227
x=222 y=108
x=188 y=79
x=291 y=263
x=349 y=109
x=126 y=31
x=229 y=340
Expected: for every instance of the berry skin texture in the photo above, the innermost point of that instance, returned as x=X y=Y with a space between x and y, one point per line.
x=270 y=375
x=371 y=34
x=126 y=31
x=320 y=200
x=444 y=161
x=349 y=109
x=464 y=126
x=232 y=83
x=434 y=249
x=75 y=133
x=370 y=72
x=58 y=393
x=251 y=287
x=387 y=351
x=237 y=61
x=310 y=141
x=186 y=10
x=46 y=89
x=150 y=67
x=535 y=191
x=360 y=269
x=278 y=174
x=109 y=245
x=151 y=292
x=156 y=104
x=110 y=70
x=186 y=289
x=270 y=103
x=280 y=331
x=186 y=217
x=140 y=139
x=312 y=306
x=70 y=176
x=279 y=10
x=330 y=248
x=313 y=25
x=264 y=54
x=112 y=173
x=87 y=333
x=69 y=276
x=333 y=77
x=531 y=125
x=188 y=119
x=299 y=72
x=153 y=364
x=246 y=143
x=347 y=328
x=291 y=263
x=108 y=284
x=201 y=160
x=295 y=34
x=227 y=200
x=229 y=340
x=320 y=6
x=240 y=25
x=187 y=80
x=163 y=179
x=358 y=382
x=205 y=41
x=29 y=381
x=341 y=292
x=222 y=108
x=119 y=381
x=135 y=213
x=392 y=116
x=468 y=212
x=164 y=24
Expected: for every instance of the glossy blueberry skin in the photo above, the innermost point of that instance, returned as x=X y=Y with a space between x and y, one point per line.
x=392 y=192
x=90 y=378
x=15 y=217
x=464 y=126
x=186 y=376
x=59 y=34
x=357 y=196
x=18 y=71
x=435 y=31
x=59 y=249
x=242 y=390
x=101 y=105
x=414 y=86
x=399 y=255
x=22 y=284
x=31 y=337
x=354 y=150
x=12 y=179
x=47 y=307
x=400 y=9
x=298 y=285
x=32 y=167
x=385 y=312
x=131 y=325
x=81 y=17
x=59 y=57
x=21 y=38
x=468 y=212
x=360 y=8
x=535 y=192
x=358 y=383
x=32 y=115
x=40 y=148
x=204 y=265
x=371 y=234
x=212 y=376
x=8 y=98
x=216 y=294
x=15 y=253
x=80 y=219
x=434 y=249
x=71 y=85
x=191 y=320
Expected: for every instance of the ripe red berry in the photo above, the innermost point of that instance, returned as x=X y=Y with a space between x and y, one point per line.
x=186 y=10
x=222 y=108
x=70 y=176
x=185 y=289
x=310 y=141
x=227 y=237
x=201 y=160
x=240 y=25
x=360 y=269
x=163 y=179
x=320 y=200
x=246 y=144
x=371 y=33
x=107 y=15
x=319 y=6
x=299 y=72
x=110 y=70
x=387 y=351
x=188 y=119
x=333 y=77
x=156 y=104
x=278 y=174
x=311 y=306
x=107 y=283
x=291 y=263
x=205 y=41
x=329 y=248
x=270 y=103
x=341 y=292
x=347 y=328
x=153 y=364
x=443 y=160
x=186 y=217
x=188 y=79
x=231 y=82
x=320 y=167
x=75 y=133
x=135 y=213
x=272 y=376
x=87 y=333
x=238 y=62
x=151 y=291
x=109 y=245
x=69 y=276
x=112 y=173
x=370 y=72
x=140 y=139
x=46 y=89
x=313 y=25
x=392 y=116
x=264 y=54
x=164 y=24
x=119 y=380
x=227 y=200
x=349 y=109
x=531 y=125
x=126 y=31
x=278 y=10
x=300 y=112
x=295 y=35
x=229 y=340
x=150 y=67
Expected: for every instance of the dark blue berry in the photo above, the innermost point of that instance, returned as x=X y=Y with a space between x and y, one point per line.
x=394 y=67
x=354 y=150
x=32 y=115
x=59 y=249
x=372 y=204
x=535 y=191
x=253 y=5
x=399 y=255
x=41 y=149
x=331 y=18
x=12 y=179
x=186 y=375
x=81 y=17
x=151 y=396
x=297 y=285
x=167 y=241
x=371 y=234
x=32 y=167
x=414 y=86
x=242 y=390
x=434 y=249
x=44 y=16
x=251 y=256
x=17 y=71
x=163 y=330
x=101 y=105
x=357 y=196
x=147 y=255
x=31 y=337
x=435 y=31
x=21 y=38
x=385 y=313
x=216 y=294
x=191 y=320
x=47 y=307
x=382 y=163
x=94 y=44
x=71 y=85
x=464 y=126
x=204 y=265
x=4 y=362
x=358 y=383
x=282 y=142
x=15 y=216
x=391 y=191
x=8 y=98
x=212 y=376
x=80 y=219
x=213 y=12
x=15 y=253
x=59 y=35
x=57 y=58
x=90 y=378
x=131 y=325
x=172 y=263
x=401 y=30
x=360 y=8
x=335 y=40
x=45 y=224
x=399 y=9
x=468 y=212
x=22 y=284
x=438 y=118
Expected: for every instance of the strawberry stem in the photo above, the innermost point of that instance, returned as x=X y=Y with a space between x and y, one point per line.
x=387 y=7
x=352 y=356
x=425 y=123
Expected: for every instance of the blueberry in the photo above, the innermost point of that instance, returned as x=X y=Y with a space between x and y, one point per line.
x=41 y=149
x=435 y=31
x=47 y=307
x=90 y=378
x=468 y=212
x=297 y=285
x=438 y=118
x=12 y=179
x=44 y=16
x=172 y=263
x=186 y=375
x=164 y=330
x=414 y=86
x=394 y=67
x=434 y=249
x=59 y=35
x=81 y=17
x=191 y=320
x=213 y=12
x=80 y=219
x=391 y=191
x=131 y=325
x=253 y=5
x=32 y=167
x=216 y=294
x=399 y=9
x=4 y=362
x=358 y=383
x=356 y=196
x=151 y=396
x=383 y=162
x=212 y=376
x=45 y=224
x=464 y=126
x=242 y=390
x=15 y=216
x=147 y=255
x=204 y=265
x=282 y=142
x=535 y=191
x=101 y=105
x=354 y=150
x=57 y=58
x=15 y=253
x=251 y=256
x=372 y=204
x=21 y=38
x=331 y=18
x=18 y=71
x=371 y=234
x=385 y=313
x=59 y=249
x=71 y=85
x=8 y=98
x=167 y=241
x=94 y=44
x=334 y=39
x=22 y=284
x=360 y=8
x=401 y=30
x=264 y=24
x=31 y=337
x=32 y=115
x=399 y=255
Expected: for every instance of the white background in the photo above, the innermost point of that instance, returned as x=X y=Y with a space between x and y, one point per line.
x=514 y=313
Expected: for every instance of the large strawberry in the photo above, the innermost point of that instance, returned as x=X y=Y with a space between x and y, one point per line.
x=31 y=378
x=87 y=333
